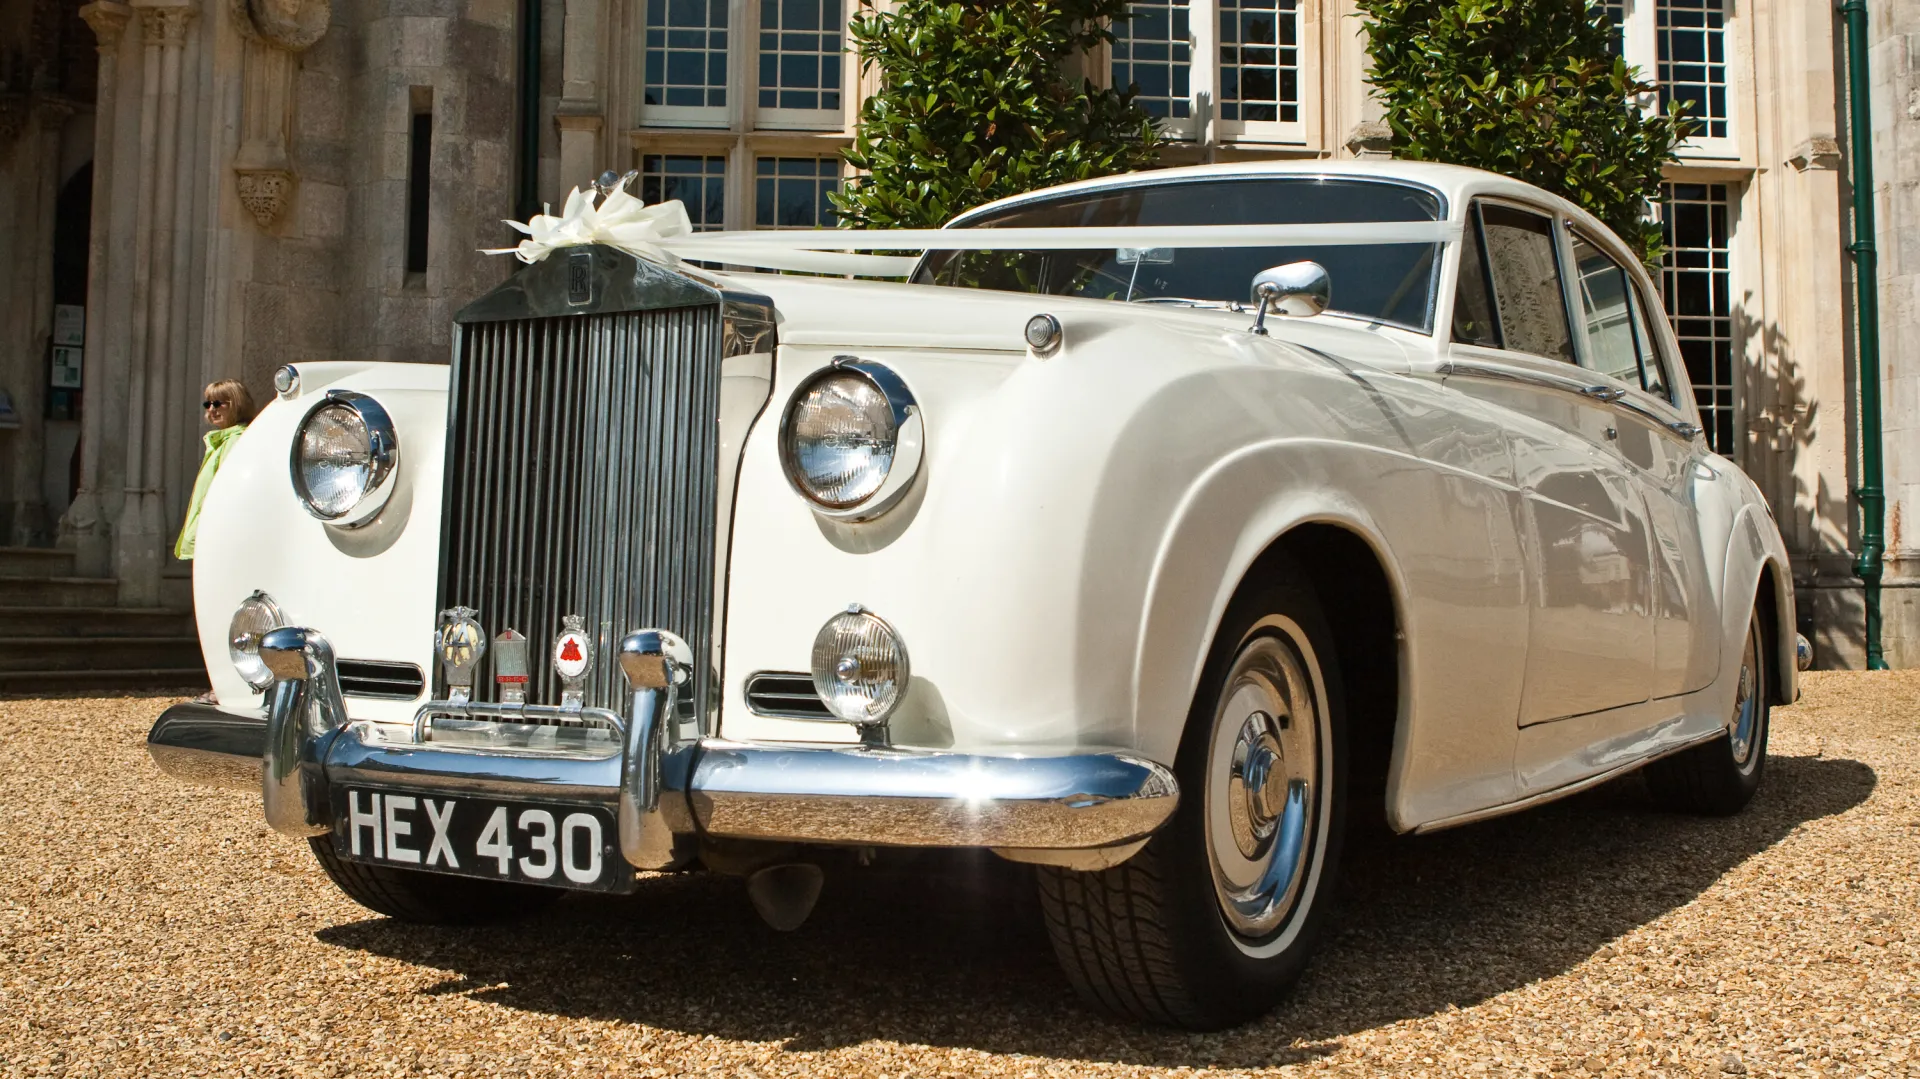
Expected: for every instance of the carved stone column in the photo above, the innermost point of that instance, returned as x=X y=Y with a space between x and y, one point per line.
x=276 y=32
x=85 y=530
x=141 y=533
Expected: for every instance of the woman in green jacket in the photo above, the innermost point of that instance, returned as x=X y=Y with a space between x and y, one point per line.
x=228 y=408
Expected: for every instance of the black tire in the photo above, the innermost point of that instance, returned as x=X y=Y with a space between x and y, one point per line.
x=1150 y=939
x=430 y=898
x=1715 y=779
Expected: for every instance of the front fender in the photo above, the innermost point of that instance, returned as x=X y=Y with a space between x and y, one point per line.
x=370 y=589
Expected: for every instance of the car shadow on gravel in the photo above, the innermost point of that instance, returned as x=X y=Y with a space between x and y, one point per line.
x=958 y=958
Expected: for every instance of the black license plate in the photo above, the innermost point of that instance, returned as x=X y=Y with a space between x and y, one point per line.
x=561 y=846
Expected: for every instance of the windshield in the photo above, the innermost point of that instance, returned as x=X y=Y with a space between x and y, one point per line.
x=1385 y=282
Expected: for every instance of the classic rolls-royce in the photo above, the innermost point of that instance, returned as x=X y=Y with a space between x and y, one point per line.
x=1153 y=531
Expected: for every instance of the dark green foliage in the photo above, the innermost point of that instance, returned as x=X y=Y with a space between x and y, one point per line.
x=1525 y=88
x=974 y=105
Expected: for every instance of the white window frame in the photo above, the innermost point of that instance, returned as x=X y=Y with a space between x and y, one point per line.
x=1640 y=42
x=1203 y=80
x=742 y=111
x=684 y=115
x=778 y=119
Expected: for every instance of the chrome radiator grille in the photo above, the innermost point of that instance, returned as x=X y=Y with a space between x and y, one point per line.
x=582 y=455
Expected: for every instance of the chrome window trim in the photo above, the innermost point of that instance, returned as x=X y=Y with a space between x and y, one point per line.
x=1144 y=179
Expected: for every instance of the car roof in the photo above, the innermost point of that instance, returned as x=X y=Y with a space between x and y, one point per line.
x=1458 y=184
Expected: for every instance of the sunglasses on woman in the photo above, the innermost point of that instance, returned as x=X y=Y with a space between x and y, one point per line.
x=214 y=404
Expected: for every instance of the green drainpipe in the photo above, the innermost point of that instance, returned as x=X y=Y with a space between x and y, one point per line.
x=1866 y=283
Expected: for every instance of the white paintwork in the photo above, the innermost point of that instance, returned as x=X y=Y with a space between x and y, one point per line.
x=1081 y=521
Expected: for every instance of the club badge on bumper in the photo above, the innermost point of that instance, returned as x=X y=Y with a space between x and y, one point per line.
x=572 y=660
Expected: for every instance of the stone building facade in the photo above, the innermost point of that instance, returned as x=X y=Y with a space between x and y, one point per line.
x=222 y=186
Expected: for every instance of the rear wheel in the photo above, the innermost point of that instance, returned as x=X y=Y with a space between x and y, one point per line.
x=1215 y=919
x=429 y=898
x=1720 y=778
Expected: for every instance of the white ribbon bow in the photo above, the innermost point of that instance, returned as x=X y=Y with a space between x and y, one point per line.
x=620 y=221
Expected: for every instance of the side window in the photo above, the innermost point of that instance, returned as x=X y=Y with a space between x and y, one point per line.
x=1619 y=342
x=1473 y=318
x=1526 y=282
x=1606 y=302
x=1653 y=367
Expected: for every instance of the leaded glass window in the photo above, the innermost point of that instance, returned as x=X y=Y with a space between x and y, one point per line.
x=686 y=54
x=1696 y=281
x=1260 y=60
x=1153 y=50
x=698 y=181
x=1693 y=62
x=800 y=54
x=791 y=192
x=1616 y=11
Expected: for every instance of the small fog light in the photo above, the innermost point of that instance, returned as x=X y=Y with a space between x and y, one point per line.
x=860 y=666
x=256 y=615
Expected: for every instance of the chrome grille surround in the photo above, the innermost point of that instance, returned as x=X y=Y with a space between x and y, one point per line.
x=584 y=470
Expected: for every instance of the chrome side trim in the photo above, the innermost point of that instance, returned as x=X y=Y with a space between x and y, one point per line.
x=1527 y=376
x=201 y=744
x=1687 y=431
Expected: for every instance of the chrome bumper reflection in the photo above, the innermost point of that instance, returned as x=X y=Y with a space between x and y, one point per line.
x=678 y=790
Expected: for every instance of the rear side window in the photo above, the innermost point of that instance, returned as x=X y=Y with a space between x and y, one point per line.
x=1525 y=272
x=1619 y=342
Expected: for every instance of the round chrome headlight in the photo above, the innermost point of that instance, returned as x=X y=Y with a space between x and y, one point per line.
x=852 y=438
x=860 y=666
x=256 y=615
x=344 y=457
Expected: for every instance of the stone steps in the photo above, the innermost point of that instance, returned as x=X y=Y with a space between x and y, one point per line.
x=95 y=622
x=60 y=633
x=18 y=591
x=35 y=562
x=184 y=680
x=98 y=653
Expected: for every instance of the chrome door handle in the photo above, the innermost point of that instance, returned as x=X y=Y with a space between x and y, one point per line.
x=1688 y=431
x=1602 y=393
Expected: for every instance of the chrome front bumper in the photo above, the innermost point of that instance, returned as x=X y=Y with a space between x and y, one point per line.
x=1076 y=808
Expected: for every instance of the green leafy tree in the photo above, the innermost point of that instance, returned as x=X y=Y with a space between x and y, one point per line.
x=975 y=105
x=1526 y=88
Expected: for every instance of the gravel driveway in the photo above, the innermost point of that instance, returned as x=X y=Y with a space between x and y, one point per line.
x=148 y=928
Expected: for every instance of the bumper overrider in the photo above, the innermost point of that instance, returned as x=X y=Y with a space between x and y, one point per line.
x=1080 y=809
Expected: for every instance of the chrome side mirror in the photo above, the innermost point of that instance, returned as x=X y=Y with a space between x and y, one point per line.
x=1296 y=290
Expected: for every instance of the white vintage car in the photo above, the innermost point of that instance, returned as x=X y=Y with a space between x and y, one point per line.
x=1158 y=529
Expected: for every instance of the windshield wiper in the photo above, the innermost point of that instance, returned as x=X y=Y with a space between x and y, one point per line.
x=1215 y=305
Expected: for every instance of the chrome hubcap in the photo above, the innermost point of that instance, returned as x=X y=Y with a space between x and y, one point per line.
x=1263 y=774
x=1746 y=705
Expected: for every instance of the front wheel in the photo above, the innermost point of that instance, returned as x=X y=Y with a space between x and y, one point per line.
x=1719 y=778
x=1215 y=919
x=411 y=895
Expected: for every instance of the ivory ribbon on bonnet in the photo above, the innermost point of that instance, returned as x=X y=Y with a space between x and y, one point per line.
x=662 y=233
